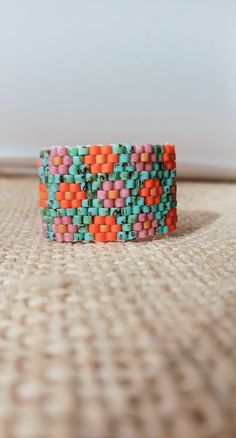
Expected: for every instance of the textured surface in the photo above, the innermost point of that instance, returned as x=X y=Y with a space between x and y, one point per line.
x=123 y=340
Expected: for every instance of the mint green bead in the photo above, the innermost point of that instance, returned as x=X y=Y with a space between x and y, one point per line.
x=173 y=204
x=77 y=160
x=129 y=184
x=89 y=237
x=132 y=235
x=161 y=222
x=160 y=174
x=135 y=192
x=158 y=215
x=128 y=148
x=86 y=203
x=146 y=208
x=124 y=175
x=96 y=185
x=91 y=194
x=103 y=211
x=160 y=207
x=73 y=151
x=61 y=212
x=153 y=208
x=164 y=198
x=130 y=167
x=124 y=158
x=77 y=220
x=173 y=173
x=82 y=150
x=51 y=196
x=87 y=220
x=144 y=174
x=50 y=235
x=122 y=235
x=140 y=201
x=82 y=211
x=41 y=170
x=121 y=220
x=83 y=228
x=53 y=212
x=127 y=210
x=113 y=176
x=92 y=211
x=136 y=209
x=80 y=178
x=71 y=211
x=126 y=227
x=56 y=204
x=102 y=177
x=53 y=187
x=79 y=236
x=166 y=189
x=69 y=179
x=97 y=203
x=164 y=229
x=132 y=218
x=73 y=170
x=134 y=175
x=89 y=177
x=117 y=149
x=116 y=212
x=56 y=178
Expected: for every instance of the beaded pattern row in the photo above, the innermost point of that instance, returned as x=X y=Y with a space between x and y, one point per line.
x=107 y=193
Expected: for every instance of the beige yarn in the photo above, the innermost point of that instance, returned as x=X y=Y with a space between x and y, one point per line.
x=119 y=340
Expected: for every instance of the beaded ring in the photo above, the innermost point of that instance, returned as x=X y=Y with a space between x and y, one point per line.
x=107 y=193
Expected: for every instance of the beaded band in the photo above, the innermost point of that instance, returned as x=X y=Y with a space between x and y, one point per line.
x=107 y=193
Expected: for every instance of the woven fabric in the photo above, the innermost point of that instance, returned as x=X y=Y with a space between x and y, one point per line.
x=123 y=340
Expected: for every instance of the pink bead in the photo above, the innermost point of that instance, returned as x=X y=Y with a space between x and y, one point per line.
x=109 y=203
x=154 y=158
x=60 y=237
x=154 y=223
x=148 y=166
x=137 y=226
x=148 y=148
x=124 y=193
x=118 y=185
x=53 y=152
x=53 y=170
x=150 y=216
x=50 y=162
x=151 y=232
x=62 y=151
x=134 y=158
x=139 y=167
x=72 y=228
x=142 y=234
x=101 y=194
x=142 y=217
x=66 y=220
x=68 y=237
x=108 y=185
x=138 y=148
x=67 y=160
x=58 y=220
x=54 y=228
x=120 y=202
x=63 y=170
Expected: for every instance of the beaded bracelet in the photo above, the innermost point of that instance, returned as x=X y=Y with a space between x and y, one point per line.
x=107 y=193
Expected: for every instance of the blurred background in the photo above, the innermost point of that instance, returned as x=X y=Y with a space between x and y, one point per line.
x=102 y=71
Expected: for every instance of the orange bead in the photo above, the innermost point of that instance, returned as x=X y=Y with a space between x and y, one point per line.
x=111 y=237
x=100 y=159
x=80 y=195
x=60 y=196
x=113 y=194
x=106 y=149
x=76 y=203
x=147 y=225
x=100 y=237
x=154 y=191
x=94 y=150
x=172 y=227
x=42 y=187
x=150 y=200
x=90 y=159
x=57 y=161
x=69 y=196
x=107 y=168
x=157 y=199
x=157 y=183
x=113 y=158
x=94 y=228
x=64 y=187
x=74 y=187
x=99 y=220
x=145 y=157
x=42 y=203
x=115 y=228
x=43 y=195
x=165 y=157
x=149 y=183
x=168 y=221
x=104 y=228
x=96 y=168
x=62 y=228
x=144 y=192
x=110 y=220
x=65 y=204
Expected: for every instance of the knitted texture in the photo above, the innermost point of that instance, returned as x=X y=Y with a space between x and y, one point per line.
x=124 y=340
